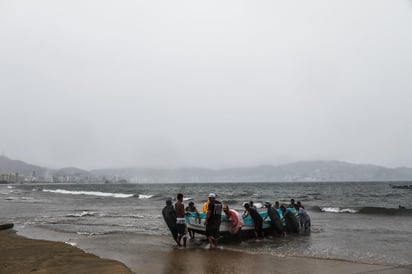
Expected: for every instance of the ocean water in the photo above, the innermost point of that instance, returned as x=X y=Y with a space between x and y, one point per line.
x=354 y=221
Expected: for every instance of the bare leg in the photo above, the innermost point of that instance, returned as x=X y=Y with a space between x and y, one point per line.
x=211 y=242
x=215 y=242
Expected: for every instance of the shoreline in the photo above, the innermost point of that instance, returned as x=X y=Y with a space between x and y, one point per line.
x=158 y=254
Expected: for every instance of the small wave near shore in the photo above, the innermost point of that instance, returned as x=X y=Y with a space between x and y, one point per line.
x=98 y=193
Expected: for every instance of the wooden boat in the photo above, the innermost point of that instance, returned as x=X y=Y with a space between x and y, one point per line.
x=198 y=225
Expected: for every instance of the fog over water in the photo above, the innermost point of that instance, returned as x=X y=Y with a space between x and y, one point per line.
x=97 y=84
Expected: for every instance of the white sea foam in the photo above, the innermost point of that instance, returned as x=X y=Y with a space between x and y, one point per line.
x=187 y=199
x=142 y=196
x=338 y=210
x=83 y=214
x=10 y=187
x=331 y=209
x=92 y=193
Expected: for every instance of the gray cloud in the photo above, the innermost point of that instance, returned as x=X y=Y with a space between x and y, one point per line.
x=216 y=84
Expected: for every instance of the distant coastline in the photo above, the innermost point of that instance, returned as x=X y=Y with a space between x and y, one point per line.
x=15 y=171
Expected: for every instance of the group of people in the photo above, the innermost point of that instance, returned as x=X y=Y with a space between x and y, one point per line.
x=175 y=219
x=289 y=223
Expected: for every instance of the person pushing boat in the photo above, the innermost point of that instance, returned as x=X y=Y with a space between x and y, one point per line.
x=257 y=220
x=275 y=220
x=236 y=221
x=180 y=220
x=292 y=224
x=189 y=209
x=304 y=218
x=213 y=220
x=169 y=215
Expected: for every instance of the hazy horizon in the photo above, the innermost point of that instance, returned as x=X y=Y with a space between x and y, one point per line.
x=201 y=167
x=97 y=84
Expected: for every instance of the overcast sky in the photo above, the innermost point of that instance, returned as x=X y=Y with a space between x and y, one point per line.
x=97 y=84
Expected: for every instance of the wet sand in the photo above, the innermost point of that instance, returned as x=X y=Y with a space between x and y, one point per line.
x=22 y=255
x=157 y=254
x=151 y=256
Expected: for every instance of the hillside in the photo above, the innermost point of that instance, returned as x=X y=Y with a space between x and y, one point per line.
x=12 y=166
x=298 y=171
x=24 y=169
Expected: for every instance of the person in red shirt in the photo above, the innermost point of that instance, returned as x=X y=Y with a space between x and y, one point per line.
x=235 y=219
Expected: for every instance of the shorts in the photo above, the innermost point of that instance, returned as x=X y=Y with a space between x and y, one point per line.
x=212 y=230
x=181 y=230
x=181 y=227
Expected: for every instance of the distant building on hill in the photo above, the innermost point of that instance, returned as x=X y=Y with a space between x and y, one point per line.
x=9 y=178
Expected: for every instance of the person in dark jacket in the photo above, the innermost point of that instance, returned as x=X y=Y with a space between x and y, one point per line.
x=292 y=224
x=169 y=215
x=275 y=220
x=213 y=220
x=257 y=219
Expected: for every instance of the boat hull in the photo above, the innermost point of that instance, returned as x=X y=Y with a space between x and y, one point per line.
x=198 y=225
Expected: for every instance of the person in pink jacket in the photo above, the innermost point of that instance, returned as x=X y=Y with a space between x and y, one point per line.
x=236 y=221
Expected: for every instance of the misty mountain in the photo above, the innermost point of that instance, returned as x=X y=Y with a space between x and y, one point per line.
x=299 y=171
x=24 y=169
x=12 y=166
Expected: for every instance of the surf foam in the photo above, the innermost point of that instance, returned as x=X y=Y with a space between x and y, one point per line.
x=92 y=193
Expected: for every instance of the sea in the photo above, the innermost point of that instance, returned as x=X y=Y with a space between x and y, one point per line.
x=367 y=222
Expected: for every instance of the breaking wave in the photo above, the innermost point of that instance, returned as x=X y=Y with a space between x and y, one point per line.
x=142 y=196
x=83 y=214
x=339 y=210
x=97 y=193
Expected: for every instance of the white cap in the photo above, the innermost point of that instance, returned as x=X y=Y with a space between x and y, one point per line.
x=211 y=195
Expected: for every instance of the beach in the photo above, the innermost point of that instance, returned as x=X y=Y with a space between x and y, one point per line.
x=151 y=254
x=351 y=232
x=22 y=255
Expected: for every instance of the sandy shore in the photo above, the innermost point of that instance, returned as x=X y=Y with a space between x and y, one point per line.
x=22 y=255
x=157 y=254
